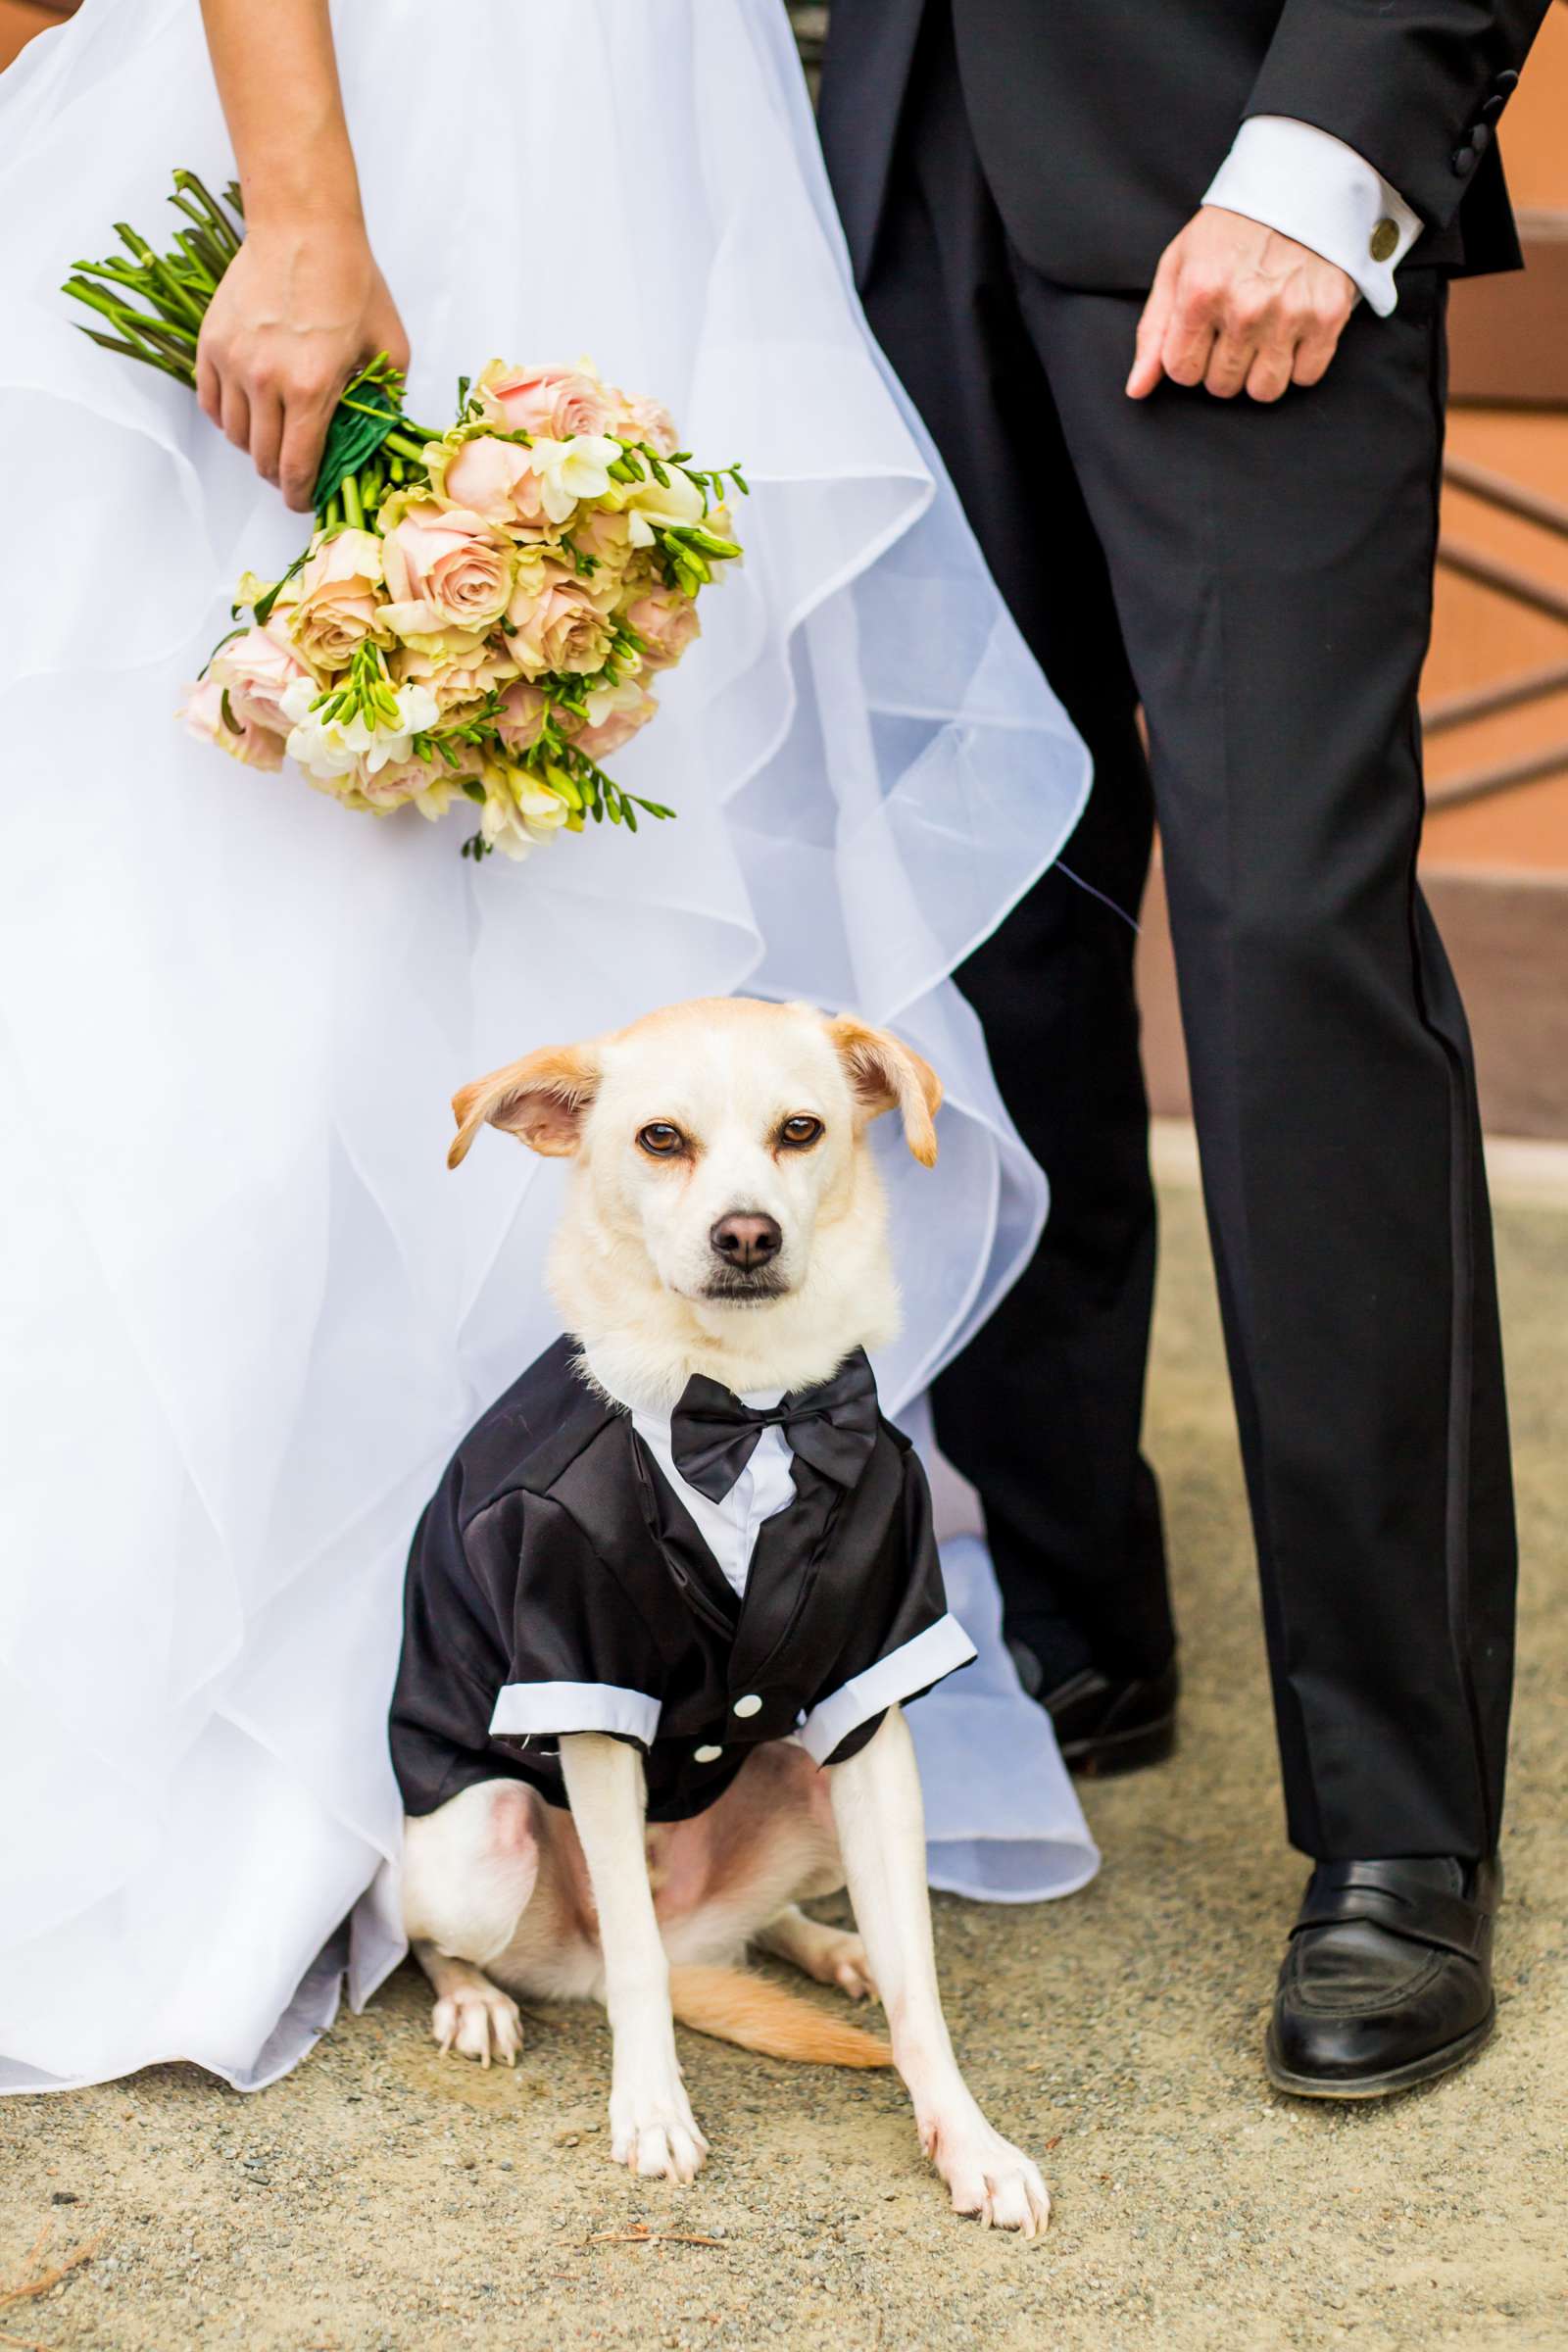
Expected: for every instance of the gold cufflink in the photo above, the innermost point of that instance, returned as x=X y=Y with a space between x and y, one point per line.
x=1385 y=237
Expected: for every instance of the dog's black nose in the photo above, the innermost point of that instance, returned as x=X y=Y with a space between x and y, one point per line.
x=746 y=1241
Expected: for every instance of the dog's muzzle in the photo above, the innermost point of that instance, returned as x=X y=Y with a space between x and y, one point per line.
x=746 y=1245
x=747 y=1289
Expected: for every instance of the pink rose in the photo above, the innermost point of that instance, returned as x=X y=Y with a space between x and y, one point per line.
x=494 y=479
x=667 y=622
x=258 y=669
x=613 y=719
x=445 y=569
x=402 y=784
x=555 y=624
x=606 y=538
x=252 y=744
x=642 y=420
x=456 y=678
x=337 y=604
x=556 y=403
x=522 y=717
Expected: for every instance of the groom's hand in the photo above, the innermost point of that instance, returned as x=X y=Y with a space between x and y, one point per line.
x=1238 y=308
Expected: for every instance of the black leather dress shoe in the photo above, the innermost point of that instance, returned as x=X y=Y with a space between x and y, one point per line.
x=1388 y=1979
x=1103 y=1725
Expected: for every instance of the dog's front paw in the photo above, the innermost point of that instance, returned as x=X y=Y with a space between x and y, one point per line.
x=654 y=2134
x=990 y=2180
x=480 y=2020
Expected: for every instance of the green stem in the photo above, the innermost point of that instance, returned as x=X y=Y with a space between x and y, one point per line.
x=188 y=183
x=144 y=334
x=149 y=287
x=133 y=351
x=158 y=278
x=207 y=263
x=353 y=509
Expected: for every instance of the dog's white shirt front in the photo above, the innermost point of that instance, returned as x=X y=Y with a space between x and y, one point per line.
x=763 y=1488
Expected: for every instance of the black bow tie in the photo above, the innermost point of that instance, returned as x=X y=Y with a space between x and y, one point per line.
x=713 y=1435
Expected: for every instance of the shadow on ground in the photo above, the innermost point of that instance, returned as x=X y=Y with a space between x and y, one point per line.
x=381 y=2200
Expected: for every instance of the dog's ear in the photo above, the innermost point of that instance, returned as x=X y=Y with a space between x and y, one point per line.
x=541 y=1100
x=886 y=1075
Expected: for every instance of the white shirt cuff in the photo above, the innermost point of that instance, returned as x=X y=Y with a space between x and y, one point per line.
x=1308 y=185
x=529 y=1710
x=940 y=1651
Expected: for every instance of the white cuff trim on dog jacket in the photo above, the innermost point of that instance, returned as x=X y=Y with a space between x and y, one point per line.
x=940 y=1651
x=524 y=1708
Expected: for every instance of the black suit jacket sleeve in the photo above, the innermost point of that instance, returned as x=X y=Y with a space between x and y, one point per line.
x=1415 y=86
x=515 y=1633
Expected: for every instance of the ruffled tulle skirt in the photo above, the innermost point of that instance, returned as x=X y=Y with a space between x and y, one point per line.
x=246 y=1310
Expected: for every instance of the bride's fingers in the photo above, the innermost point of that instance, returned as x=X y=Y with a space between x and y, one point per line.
x=208 y=389
x=387 y=334
x=236 y=415
x=266 y=430
x=300 y=456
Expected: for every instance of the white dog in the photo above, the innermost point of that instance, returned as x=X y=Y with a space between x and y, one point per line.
x=726 y=1221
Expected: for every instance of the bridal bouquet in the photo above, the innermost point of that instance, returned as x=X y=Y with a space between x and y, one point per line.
x=479 y=612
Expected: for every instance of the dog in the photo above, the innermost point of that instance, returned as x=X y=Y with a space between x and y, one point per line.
x=725 y=1224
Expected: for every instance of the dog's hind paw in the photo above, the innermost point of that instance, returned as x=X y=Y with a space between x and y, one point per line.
x=832 y=1955
x=656 y=2137
x=479 y=2020
x=850 y=1968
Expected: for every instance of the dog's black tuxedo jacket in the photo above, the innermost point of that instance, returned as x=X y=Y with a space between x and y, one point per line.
x=556 y=1584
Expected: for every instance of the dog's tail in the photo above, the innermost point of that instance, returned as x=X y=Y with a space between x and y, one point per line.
x=734 y=2005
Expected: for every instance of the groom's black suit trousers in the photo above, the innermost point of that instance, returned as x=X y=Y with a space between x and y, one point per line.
x=1259 y=578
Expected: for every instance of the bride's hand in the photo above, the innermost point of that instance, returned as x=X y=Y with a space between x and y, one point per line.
x=296 y=313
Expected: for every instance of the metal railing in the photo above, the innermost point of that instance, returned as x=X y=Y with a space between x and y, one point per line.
x=1507 y=497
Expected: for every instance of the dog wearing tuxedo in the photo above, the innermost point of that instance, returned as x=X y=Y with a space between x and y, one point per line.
x=665 y=1605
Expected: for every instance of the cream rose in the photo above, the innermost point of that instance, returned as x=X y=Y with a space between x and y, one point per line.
x=522 y=717
x=250 y=743
x=558 y=402
x=495 y=480
x=643 y=420
x=445 y=569
x=403 y=784
x=667 y=622
x=558 y=626
x=456 y=677
x=337 y=604
x=606 y=537
x=258 y=669
x=615 y=714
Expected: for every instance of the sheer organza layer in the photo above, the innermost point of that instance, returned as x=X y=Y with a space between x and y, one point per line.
x=246 y=1309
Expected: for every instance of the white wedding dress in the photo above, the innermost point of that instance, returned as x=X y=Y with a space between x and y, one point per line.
x=246 y=1310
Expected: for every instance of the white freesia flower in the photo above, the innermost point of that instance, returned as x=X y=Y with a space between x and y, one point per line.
x=666 y=505
x=571 y=470
x=518 y=811
x=603 y=702
x=332 y=748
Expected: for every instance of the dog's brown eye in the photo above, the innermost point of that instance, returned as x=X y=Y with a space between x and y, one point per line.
x=659 y=1140
x=799 y=1134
